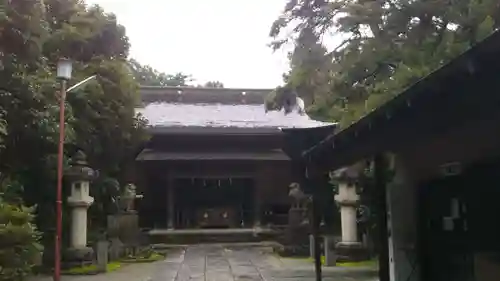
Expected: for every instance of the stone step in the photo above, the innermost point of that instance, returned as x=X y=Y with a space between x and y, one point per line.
x=197 y=236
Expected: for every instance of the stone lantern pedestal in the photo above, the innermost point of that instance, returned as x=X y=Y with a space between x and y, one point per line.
x=350 y=248
x=79 y=201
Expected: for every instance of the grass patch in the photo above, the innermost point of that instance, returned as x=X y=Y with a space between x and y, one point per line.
x=367 y=263
x=91 y=269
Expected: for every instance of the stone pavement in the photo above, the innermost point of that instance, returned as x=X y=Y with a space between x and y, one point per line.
x=220 y=263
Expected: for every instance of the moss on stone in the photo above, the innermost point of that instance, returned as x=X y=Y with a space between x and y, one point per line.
x=151 y=257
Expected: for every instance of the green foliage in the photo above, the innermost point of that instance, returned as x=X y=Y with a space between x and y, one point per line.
x=3 y=129
x=105 y=191
x=388 y=45
x=148 y=76
x=19 y=247
x=91 y=269
x=214 y=84
x=281 y=98
x=100 y=117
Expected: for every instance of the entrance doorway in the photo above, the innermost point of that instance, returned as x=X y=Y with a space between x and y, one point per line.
x=444 y=234
x=459 y=225
x=214 y=202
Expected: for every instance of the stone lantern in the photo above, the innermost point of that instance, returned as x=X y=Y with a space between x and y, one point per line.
x=80 y=175
x=348 y=200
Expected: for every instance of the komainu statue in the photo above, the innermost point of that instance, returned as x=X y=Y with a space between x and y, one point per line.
x=127 y=198
x=300 y=210
x=297 y=232
x=302 y=200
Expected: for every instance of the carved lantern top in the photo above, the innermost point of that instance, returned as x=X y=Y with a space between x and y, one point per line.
x=349 y=175
x=79 y=170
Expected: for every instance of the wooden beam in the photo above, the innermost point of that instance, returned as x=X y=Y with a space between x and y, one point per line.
x=170 y=201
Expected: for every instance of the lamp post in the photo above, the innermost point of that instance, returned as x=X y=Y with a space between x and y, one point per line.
x=64 y=69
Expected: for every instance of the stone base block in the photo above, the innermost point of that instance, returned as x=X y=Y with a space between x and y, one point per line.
x=296 y=241
x=124 y=226
x=351 y=251
x=329 y=250
x=294 y=251
x=297 y=217
x=77 y=257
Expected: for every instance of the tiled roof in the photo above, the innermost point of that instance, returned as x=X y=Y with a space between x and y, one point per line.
x=164 y=114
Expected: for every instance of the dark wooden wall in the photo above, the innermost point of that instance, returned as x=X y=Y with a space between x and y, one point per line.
x=474 y=142
x=272 y=179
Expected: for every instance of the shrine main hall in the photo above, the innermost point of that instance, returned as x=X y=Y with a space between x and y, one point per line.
x=216 y=159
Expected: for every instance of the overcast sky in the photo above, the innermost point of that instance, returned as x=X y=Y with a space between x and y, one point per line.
x=223 y=40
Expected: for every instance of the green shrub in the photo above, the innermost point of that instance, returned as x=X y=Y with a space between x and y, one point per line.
x=91 y=269
x=19 y=247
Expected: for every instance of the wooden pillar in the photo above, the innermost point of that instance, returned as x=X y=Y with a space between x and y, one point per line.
x=170 y=202
x=380 y=173
x=144 y=206
x=257 y=205
x=261 y=180
x=315 y=232
x=312 y=180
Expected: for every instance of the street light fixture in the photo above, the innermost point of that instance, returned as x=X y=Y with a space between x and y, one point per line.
x=64 y=69
x=80 y=84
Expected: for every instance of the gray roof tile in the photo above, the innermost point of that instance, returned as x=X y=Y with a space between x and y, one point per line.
x=165 y=114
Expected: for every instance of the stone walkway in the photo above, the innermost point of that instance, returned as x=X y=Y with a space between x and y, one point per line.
x=218 y=263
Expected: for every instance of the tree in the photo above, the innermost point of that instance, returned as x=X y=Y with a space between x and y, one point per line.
x=103 y=116
x=20 y=249
x=27 y=97
x=214 y=84
x=100 y=119
x=308 y=78
x=178 y=79
x=148 y=76
x=387 y=46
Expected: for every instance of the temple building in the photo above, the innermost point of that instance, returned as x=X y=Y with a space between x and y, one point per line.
x=215 y=159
